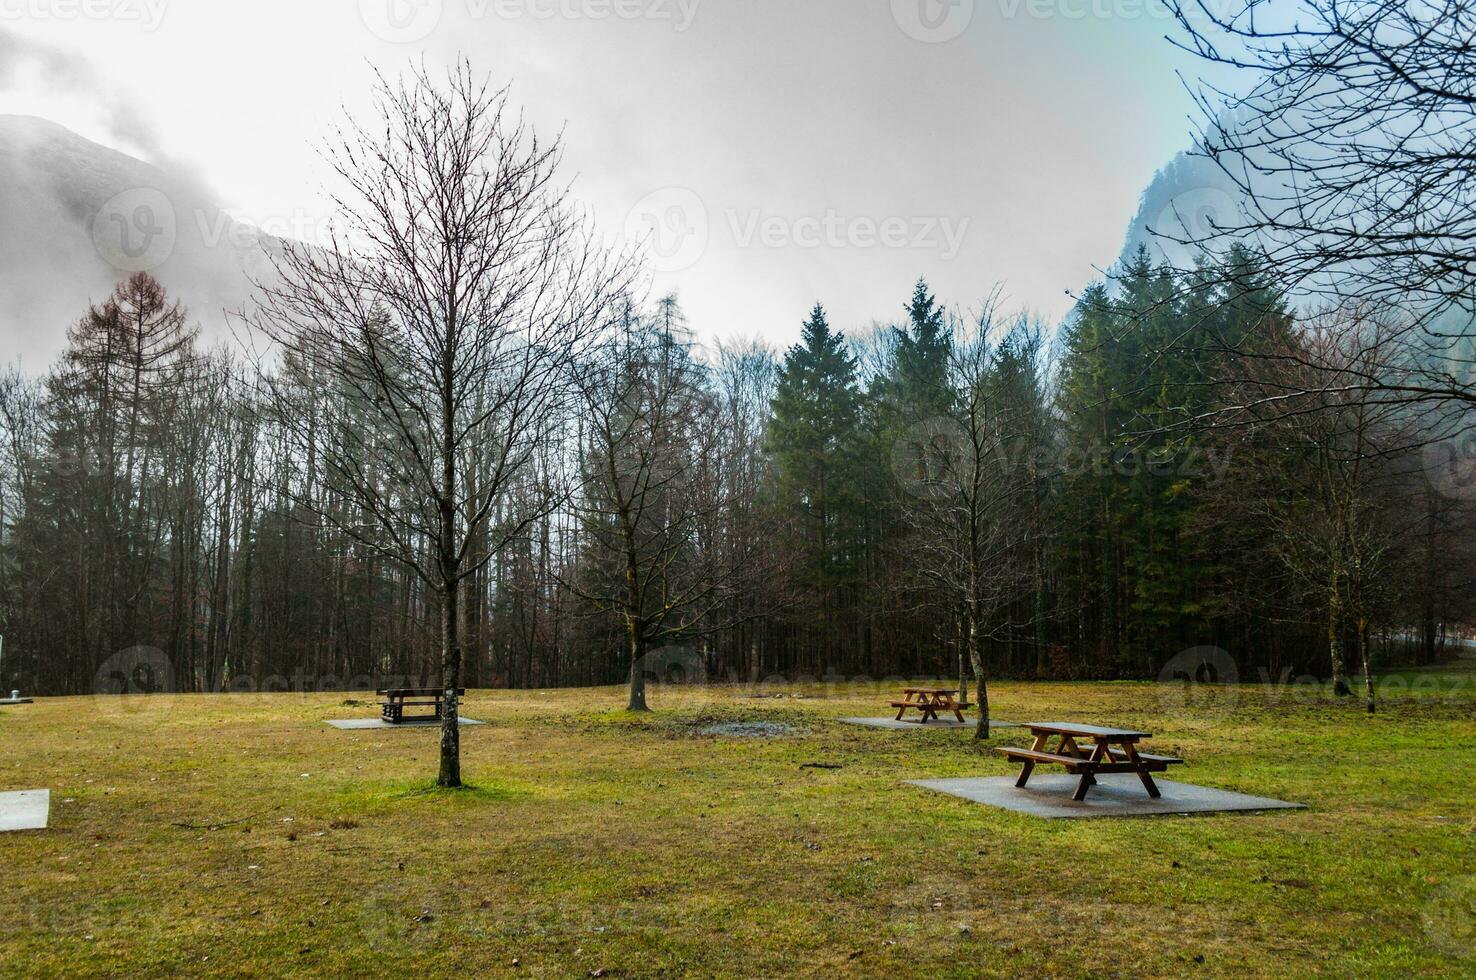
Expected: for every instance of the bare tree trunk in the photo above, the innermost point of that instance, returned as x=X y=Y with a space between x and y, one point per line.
x=963 y=682
x=976 y=657
x=450 y=682
x=637 y=667
x=1335 y=638
x=1368 y=684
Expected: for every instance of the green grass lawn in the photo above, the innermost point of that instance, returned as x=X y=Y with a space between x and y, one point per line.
x=239 y=835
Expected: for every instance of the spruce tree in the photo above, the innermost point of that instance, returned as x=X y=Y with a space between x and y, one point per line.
x=813 y=438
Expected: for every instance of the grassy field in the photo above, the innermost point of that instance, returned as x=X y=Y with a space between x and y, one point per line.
x=239 y=835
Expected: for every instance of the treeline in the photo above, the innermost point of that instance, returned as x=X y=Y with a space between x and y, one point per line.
x=963 y=488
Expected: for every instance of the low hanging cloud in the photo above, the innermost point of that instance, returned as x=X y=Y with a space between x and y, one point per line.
x=78 y=213
x=31 y=66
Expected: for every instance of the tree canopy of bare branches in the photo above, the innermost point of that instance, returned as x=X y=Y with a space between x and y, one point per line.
x=657 y=495
x=443 y=321
x=1348 y=128
x=970 y=483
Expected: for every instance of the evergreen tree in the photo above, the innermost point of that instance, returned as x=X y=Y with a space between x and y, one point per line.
x=813 y=438
x=1138 y=366
x=113 y=405
x=909 y=404
x=920 y=378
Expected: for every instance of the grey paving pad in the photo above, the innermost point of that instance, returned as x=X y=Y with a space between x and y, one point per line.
x=1115 y=795
x=25 y=810
x=4 y=701
x=907 y=726
x=407 y=723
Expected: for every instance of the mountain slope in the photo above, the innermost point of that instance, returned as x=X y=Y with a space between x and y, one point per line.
x=76 y=217
x=1190 y=199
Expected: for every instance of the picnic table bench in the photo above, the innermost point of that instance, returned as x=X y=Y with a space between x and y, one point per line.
x=397 y=699
x=1110 y=750
x=929 y=701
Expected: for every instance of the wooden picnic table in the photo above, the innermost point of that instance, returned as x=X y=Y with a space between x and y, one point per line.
x=929 y=701
x=1109 y=750
x=397 y=699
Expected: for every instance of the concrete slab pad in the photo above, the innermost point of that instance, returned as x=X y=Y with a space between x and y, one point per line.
x=907 y=726
x=1115 y=795
x=355 y=723
x=27 y=809
x=5 y=701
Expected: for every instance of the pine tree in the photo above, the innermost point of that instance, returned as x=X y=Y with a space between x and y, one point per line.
x=113 y=404
x=813 y=438
x=909 y=404
x=920 y=381
x=1139 y=364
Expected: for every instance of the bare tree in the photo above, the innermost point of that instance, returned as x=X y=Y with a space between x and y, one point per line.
x=20 y=445
x=654 y=491
x=743 y=382
x=964 y=513
x=446 y=313
x=1348 y=128
x=1335 y=467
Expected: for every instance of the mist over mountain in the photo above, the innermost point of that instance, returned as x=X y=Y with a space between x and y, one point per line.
x=1188 y=199
x=76 y=217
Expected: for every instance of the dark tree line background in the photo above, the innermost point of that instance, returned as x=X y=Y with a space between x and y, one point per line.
x=958 y=488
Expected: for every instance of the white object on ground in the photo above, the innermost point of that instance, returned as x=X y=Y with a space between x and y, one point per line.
x=26 y=809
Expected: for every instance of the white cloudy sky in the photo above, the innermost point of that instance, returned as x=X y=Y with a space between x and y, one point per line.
x=794 y=150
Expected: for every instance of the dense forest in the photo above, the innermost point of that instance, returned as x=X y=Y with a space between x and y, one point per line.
x=964 y=487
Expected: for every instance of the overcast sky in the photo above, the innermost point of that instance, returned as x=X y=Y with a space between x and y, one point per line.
x=784 y=151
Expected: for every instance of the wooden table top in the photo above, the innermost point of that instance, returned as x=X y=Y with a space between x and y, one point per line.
x=1086 y=731
x=929 y=690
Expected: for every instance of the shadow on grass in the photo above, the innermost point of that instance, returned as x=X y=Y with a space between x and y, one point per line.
x=484 y=792
x=395 y=794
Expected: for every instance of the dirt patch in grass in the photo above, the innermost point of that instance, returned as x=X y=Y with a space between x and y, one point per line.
x=747 y=729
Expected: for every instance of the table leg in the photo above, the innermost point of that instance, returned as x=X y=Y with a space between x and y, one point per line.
x=1099 y=753
x=1068 y=746
x=1025 y=772
x=1084 y=784
x=1088 y=778
x=1039 y=746
x=1143 y=774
